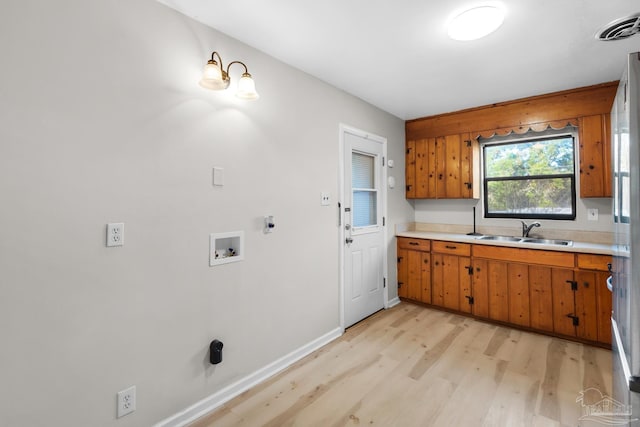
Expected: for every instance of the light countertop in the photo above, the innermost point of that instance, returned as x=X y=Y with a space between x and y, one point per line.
x=577 y=247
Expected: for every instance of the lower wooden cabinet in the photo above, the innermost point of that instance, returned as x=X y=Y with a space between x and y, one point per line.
x=414 y=270
x=554 y=292
x=540 y=298
x=451 y=280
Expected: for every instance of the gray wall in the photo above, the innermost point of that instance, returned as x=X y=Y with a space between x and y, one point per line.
x=102 y=120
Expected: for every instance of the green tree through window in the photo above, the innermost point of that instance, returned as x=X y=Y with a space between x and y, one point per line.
x=530 y=179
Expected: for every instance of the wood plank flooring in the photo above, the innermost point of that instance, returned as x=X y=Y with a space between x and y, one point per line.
x=415 y=366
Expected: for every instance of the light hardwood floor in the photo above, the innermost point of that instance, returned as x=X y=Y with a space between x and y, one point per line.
x=415 y=366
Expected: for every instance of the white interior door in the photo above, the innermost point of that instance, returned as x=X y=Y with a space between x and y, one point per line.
x=363 y=237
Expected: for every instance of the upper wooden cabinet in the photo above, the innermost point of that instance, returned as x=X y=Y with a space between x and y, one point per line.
x=441 y=164
x=444 y=167
x=595 y=156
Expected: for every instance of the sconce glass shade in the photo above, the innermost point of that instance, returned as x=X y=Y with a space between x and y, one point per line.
x=247 y=87
x=213 y=77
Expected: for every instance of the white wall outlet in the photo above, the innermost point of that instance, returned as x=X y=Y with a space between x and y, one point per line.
x=115 y=234
x=126 y=401
x=592 y=214
x=325 y=199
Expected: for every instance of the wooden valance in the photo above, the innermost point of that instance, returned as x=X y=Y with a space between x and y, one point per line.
x=519 y=130
x=518 y=115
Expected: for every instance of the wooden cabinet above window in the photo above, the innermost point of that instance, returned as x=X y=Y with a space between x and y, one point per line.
x=595 y=156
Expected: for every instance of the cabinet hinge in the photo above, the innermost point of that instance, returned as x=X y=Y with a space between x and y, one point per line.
x=468 y=185
x=382 y=160
x=468 y=141
x=384 y=221
x=574 y=285
x=399 y=258
x=470 y=298
x=469 y=269
x=400 y=284
x=408 y=188
x=384 y=282
x=574 y=319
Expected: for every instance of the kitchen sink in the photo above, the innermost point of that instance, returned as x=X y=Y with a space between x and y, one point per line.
x=556 y=242
x=548 y=241
x=501 y=238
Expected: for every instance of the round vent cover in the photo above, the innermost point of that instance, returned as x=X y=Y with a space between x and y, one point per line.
x=620 y=28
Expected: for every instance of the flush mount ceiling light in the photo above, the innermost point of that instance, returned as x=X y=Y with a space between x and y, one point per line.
x=476 y=22
x=215 y=77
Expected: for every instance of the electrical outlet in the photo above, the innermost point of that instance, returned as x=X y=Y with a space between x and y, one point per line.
x=115 y=234
x=325 y=199
x=126 y=401
x=592 y=214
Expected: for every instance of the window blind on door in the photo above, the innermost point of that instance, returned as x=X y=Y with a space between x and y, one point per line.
x=365 y=193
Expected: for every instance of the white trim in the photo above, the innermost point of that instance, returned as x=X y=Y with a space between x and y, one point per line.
x=393 y=302
x=342 y=129
x=215 y=400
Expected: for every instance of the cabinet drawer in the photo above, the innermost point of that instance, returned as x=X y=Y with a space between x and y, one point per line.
x=593 y=262
x=414 y=244
x=463 y=249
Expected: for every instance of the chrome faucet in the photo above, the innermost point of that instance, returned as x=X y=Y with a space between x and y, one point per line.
x=526 y=229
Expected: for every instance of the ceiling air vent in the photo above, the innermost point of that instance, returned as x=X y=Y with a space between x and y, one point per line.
x=620 y=28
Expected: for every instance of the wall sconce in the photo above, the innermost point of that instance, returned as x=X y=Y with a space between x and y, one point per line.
x=216 y=78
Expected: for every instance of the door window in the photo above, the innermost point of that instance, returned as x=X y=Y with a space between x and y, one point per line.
x=365 y=193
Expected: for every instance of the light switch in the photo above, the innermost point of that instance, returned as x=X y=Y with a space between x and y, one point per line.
x=592 y=214
x=218 y=177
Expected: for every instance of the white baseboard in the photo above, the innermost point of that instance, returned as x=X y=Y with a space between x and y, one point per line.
x=392 y=303
x=208 y=404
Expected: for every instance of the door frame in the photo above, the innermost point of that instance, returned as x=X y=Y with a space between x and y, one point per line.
x=344 y=129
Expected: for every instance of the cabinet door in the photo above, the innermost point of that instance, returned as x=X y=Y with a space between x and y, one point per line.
x=451 y=281
x=518 y=284
x=481 y=288
x=437 y=282
x=426 y=278
x=410 y=169
x=414 y=275
x=586 y=305
x=455 y=168
x=541 y=300
x=498 y=291
x=603 y=297
x=425 y=168
x=403 y=274
x=563 y=301
x=595 y=148
x=470 y=166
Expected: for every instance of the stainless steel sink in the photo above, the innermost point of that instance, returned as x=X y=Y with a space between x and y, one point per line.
x=534 y=240
x=548 y=241
x=501 y=238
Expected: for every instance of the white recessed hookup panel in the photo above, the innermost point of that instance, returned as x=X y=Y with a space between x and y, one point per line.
x=226 y=247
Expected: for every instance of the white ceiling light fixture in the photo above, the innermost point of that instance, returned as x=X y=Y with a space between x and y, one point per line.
x=476 y=22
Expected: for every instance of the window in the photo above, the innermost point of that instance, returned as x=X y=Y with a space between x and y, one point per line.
x=365 y=194
x=530 y=178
